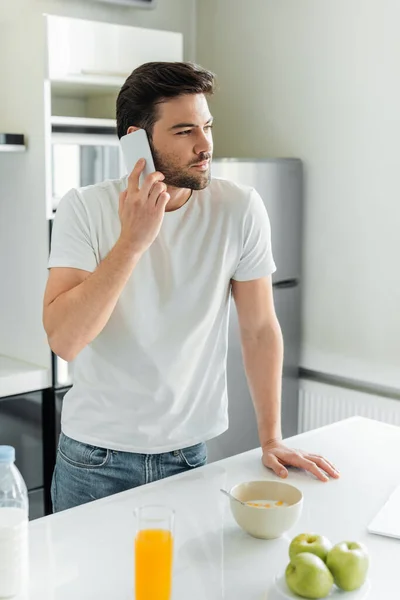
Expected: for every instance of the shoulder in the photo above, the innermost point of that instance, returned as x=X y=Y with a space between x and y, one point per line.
x=93 y=200
x=233 y=195
x=100 y=198
x=227 y=188
x=238 y=200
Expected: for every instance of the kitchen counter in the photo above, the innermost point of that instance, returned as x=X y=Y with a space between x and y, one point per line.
x=87 y=552
x=19 y=377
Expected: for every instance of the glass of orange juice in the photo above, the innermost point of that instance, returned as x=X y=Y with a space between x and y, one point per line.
x=154 y=546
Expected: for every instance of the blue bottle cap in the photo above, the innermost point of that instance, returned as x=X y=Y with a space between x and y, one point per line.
x=7 y=454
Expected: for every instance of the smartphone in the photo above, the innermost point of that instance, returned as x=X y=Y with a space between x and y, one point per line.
x=134 y=146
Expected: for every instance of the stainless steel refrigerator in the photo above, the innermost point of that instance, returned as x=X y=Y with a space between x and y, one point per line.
x=280 y=184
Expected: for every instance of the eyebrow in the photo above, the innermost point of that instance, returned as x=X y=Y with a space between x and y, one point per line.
x=182 y=125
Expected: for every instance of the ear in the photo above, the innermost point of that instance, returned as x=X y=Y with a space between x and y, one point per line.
x=132 y=128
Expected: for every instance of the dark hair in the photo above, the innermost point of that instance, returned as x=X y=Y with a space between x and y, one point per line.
x=153 y=83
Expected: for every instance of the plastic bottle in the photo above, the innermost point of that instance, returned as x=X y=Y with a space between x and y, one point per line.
x=13 y=526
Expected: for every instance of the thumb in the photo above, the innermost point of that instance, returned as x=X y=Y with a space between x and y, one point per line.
x=273 y=463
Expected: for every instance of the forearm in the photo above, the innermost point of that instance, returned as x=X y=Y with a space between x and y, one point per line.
x=77 y=316
x=263 y=360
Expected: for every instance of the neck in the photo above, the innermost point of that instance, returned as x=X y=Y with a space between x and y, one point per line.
x=179 y=197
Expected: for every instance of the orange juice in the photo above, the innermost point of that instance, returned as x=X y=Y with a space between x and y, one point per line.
x=153 y=564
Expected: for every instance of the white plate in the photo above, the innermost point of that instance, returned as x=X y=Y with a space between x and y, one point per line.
x=280 y=591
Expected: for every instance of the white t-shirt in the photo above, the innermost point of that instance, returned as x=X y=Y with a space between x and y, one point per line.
x=154 y=379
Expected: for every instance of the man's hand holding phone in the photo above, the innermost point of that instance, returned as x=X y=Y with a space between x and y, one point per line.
x=142 y=209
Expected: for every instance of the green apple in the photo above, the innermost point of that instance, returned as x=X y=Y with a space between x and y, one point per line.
x=310 y=542
x=308 y=576
x=348 y=563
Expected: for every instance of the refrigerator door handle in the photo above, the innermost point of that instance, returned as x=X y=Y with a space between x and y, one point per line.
x=286 y=283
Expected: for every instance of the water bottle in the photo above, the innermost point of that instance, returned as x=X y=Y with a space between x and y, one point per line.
x=13 y=526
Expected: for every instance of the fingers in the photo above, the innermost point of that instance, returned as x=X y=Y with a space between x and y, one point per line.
x=163 y=199
x=325 y=459
x=310 y=465
x=296 y=459
x=325 y=464
x=273 y=463
x=133 y=179
x=150 y=181
x=314 y=463
x=157 y=189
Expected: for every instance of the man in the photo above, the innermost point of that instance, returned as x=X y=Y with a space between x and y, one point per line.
x=138 y=295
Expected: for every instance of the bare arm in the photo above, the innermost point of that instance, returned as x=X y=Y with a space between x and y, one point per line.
x=262 y=347
x=78 y=304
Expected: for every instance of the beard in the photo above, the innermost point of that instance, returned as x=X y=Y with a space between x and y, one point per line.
x=182 y=177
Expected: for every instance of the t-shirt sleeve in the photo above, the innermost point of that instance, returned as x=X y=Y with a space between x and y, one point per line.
x=256 y=259
x=71 y=244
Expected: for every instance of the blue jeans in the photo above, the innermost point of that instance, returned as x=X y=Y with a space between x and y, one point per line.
x=84 y=473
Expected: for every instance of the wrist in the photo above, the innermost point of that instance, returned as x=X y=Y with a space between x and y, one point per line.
x=270 y=441
x=129 y=248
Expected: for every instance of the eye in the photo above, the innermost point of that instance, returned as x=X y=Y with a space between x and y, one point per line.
x=208 y=126
x=184 y=132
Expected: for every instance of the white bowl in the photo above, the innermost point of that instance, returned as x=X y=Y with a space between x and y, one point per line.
x=266 y=523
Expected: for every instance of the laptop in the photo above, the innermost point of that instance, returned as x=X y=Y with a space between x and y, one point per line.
x=387 y=521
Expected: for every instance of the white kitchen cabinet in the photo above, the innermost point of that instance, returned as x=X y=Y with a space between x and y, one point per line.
x=95 y=52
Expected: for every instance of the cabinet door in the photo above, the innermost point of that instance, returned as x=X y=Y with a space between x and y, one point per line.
x=21 y=427
x=36 y=504
x=136 y=46
x=88 y=49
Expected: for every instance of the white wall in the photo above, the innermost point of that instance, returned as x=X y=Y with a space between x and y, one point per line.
x=321 y=80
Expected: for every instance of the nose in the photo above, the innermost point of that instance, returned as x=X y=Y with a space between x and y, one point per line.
x=204 y=142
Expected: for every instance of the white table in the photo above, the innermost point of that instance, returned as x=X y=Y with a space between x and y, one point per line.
x=87 y=553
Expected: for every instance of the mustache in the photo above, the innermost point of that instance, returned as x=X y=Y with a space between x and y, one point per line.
x=202 y=157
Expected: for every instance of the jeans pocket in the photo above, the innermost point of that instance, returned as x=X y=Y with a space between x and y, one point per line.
x=194 y=456
x=83 y=455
